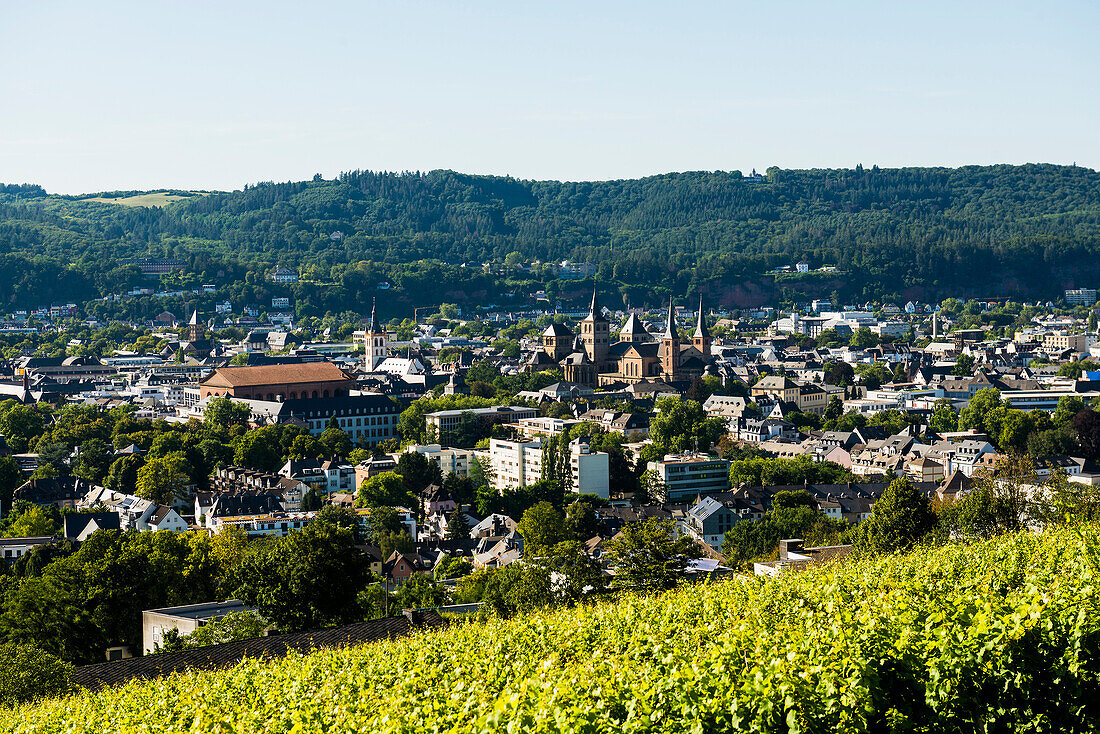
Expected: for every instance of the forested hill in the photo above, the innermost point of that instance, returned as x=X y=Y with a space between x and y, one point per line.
x=893 y=233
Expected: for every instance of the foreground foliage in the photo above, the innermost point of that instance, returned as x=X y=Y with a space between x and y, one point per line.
x=999 y=635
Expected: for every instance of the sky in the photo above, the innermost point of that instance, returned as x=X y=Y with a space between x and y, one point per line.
x=214 y=95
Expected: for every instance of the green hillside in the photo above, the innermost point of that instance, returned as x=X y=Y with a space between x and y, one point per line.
x=896 y=233
x=999 y=636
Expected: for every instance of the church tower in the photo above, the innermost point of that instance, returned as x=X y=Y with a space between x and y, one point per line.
x=670 y=345
x=195 y=331
x=634 y=331
x=596 y=334
x=374 y=342
x=557 y=341
x=701 y=338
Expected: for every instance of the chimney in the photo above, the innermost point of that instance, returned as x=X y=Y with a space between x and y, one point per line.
x=415 y=616
x=786 y=547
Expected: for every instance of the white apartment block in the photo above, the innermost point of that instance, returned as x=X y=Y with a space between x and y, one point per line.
x=449 y=460
x=1081 y=297
x=519 y=463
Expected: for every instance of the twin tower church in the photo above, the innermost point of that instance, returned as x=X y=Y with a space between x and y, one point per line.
x=590 y=358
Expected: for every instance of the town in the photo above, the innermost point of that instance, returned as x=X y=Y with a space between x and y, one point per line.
x=460 y=448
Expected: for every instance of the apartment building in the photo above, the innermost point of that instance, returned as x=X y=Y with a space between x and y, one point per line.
x=447 y=421
x=449 y=459
x=519 y=463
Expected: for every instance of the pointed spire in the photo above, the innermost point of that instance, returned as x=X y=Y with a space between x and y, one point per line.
x=373 y=316
x=670 y=329
x=595 y=311
x=701 y=323
x=194 y=318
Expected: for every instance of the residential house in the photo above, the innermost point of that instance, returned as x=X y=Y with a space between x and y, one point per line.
x=707 y=522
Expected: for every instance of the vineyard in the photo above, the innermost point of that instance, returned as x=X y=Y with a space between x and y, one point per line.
x=997 y=636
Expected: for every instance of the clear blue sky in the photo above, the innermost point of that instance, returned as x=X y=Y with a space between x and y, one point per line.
x=212 y=95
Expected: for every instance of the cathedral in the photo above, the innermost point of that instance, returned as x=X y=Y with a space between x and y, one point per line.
x=589 y=358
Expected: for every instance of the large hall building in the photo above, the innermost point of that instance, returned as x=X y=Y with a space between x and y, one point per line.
x=278 y=382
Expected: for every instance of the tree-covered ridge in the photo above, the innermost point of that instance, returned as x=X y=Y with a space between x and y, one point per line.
x=999 y=635
x=974 y=229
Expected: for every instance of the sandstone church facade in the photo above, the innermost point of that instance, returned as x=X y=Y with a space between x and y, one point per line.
x=590 y=358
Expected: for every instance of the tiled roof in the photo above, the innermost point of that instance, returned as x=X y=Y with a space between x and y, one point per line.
x=274 y=374
x=211 y=657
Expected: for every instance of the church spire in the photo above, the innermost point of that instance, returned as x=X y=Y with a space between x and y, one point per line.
x=373 y=316
x=595 y=311
x=700 y=323
x=670 y=329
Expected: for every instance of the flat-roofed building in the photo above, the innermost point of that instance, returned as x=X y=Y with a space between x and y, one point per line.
x=444 y=422
x=12 y=549
x=184 y=619
x=519 y=463
x=683 y=476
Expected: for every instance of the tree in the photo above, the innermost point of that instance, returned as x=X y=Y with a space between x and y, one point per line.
x=1016 y=427
x=421 y=591
x=30 y=674
x=163 y=480
x=461 y=489
x=649 y=555
x=457 y=527
x=259 y=449
x=964 y=366
x=900 y=519
x=123 y=474
x=984 y=412
x=1068 y=408
x=385 y=489
x=335 y=441
x=944 y=419
x=418 y=471
x=581 y=523
x=306 y=447
x=981 y=513
x=480 y=472
x=681 y=425
x=1075 y=369
x=310 y=578
x=573 y=573
x=834 y=409
x=93 y=461
x=792 y=515
x=542 y=527
x=863 y=338
x=1086 y=426
x=32 y=522
x=1052 y=442
x=840 y=373
x=10 y=476
x=225 y=412
x=343 y=518
x=515 y=588
x=453 y=567
x=312 y=500
x=244 y=625
x=20 y=425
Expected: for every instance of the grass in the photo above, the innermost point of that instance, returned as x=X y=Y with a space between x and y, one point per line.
x=1002 y=635
x=155 y=198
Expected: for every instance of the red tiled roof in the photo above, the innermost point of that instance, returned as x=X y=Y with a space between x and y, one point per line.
x=276 y=374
